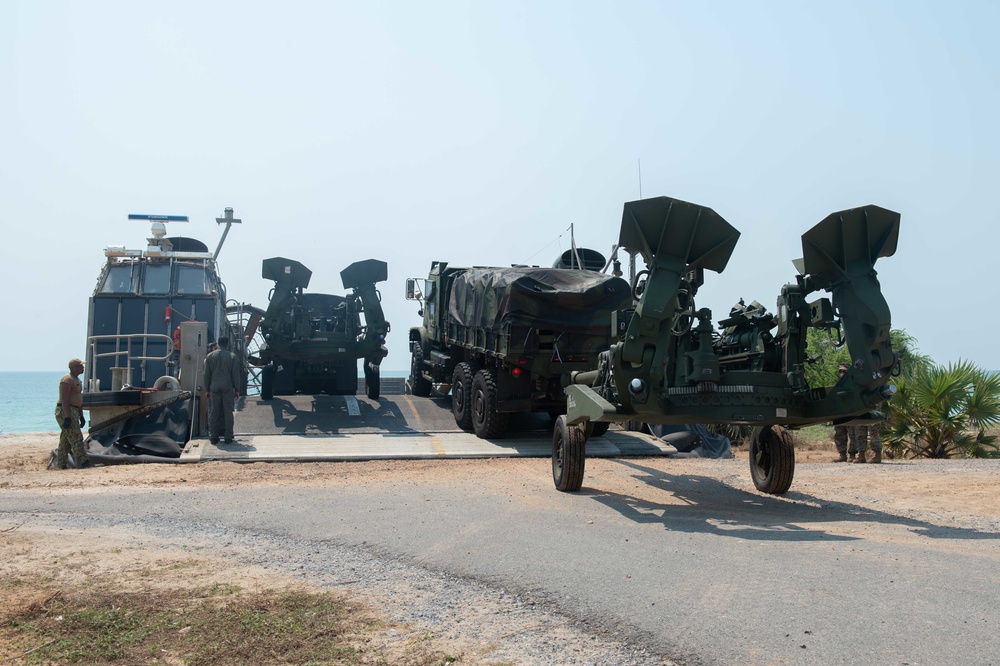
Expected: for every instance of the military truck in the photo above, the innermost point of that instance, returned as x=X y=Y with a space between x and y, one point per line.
x=312 y=342
x=505 y=340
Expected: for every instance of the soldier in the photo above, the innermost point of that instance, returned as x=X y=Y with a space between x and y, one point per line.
x=868 y=436
x=842 y=433
x=222 y=381
x=69 y=416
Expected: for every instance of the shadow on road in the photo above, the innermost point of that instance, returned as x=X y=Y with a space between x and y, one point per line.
x=707 y=505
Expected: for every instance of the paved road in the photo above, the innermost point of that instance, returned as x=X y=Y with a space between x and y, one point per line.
x=695 y=566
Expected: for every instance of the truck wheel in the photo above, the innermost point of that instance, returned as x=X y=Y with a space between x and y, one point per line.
x=569 y=455
x=267 y=382
x=772 y=460
x=487 y=422
x=461 y=395
x=418 y=385
x=373 y=381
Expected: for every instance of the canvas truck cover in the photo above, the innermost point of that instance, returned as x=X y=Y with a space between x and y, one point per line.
x=546 y=298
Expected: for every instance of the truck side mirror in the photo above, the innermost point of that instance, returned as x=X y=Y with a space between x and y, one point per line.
x=412 y=290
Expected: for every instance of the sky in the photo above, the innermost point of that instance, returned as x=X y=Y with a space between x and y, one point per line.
x=477 y=132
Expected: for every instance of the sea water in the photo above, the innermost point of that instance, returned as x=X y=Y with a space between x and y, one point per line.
x=28 y=400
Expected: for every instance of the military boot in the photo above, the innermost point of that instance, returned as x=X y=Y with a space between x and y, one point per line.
x=841 y=457
x=877 y=457
x=860 y=458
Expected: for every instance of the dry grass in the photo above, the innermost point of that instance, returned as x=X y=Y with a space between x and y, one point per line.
x=220 y=624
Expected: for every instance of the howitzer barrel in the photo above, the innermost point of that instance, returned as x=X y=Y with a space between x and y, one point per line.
x=587 y=377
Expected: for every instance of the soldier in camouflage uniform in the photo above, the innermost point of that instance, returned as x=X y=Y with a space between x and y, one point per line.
x=222 y=381
x=861 y=437
x=69 y=416
x=868 y=436
x=842 y=433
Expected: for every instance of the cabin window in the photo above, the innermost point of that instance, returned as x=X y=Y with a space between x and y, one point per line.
x=157 y=279
x=192 y=280
x=118 y=280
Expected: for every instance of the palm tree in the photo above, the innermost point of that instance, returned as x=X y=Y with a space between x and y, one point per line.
x=940 y=412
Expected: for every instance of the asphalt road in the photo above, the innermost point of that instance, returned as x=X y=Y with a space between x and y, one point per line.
x=695 y=567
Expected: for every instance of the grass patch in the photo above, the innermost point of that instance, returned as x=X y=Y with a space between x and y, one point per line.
x=814 y=437
x=219 y=624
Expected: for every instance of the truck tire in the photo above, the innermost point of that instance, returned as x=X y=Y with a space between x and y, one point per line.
x=461 y=394
x=487 y=422
x=772 y=460
x=569 y=455
x=418 y=385
x=267 y=382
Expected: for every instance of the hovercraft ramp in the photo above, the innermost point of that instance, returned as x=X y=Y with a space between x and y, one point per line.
x=306 y=428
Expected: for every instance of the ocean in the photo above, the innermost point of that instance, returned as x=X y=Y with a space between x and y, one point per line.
x=27 y=400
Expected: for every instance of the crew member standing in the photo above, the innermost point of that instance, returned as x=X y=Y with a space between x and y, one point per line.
x=69 y=416
x=222 y=381
x=841 y=433
x=177 y=352
x=869 y=436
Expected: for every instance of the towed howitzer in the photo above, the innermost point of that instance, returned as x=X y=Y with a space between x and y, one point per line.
x=312 y=342
x=668 y=365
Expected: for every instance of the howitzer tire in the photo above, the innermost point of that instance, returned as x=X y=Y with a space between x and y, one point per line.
x=772 y=460
x=418 y=385
x=487 y=422
x=373 y=381
x=569 y=455
x=461 y=394
x=267 y=382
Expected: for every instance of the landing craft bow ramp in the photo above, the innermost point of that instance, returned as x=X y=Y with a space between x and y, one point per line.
x=345 y=427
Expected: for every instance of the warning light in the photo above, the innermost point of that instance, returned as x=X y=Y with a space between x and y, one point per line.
x=516 y=372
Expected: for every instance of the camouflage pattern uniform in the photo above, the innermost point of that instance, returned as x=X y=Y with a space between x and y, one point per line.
x=222 y=380
x=867 y=437
x=70 y=436
x=840 y=438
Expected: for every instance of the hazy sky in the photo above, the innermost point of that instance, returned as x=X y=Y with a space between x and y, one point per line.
x=477 y=132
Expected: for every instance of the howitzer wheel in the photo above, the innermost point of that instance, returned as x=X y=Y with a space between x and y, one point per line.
x=461 y=394
x=772 y=460
x=487 y=422
x=569 y=455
